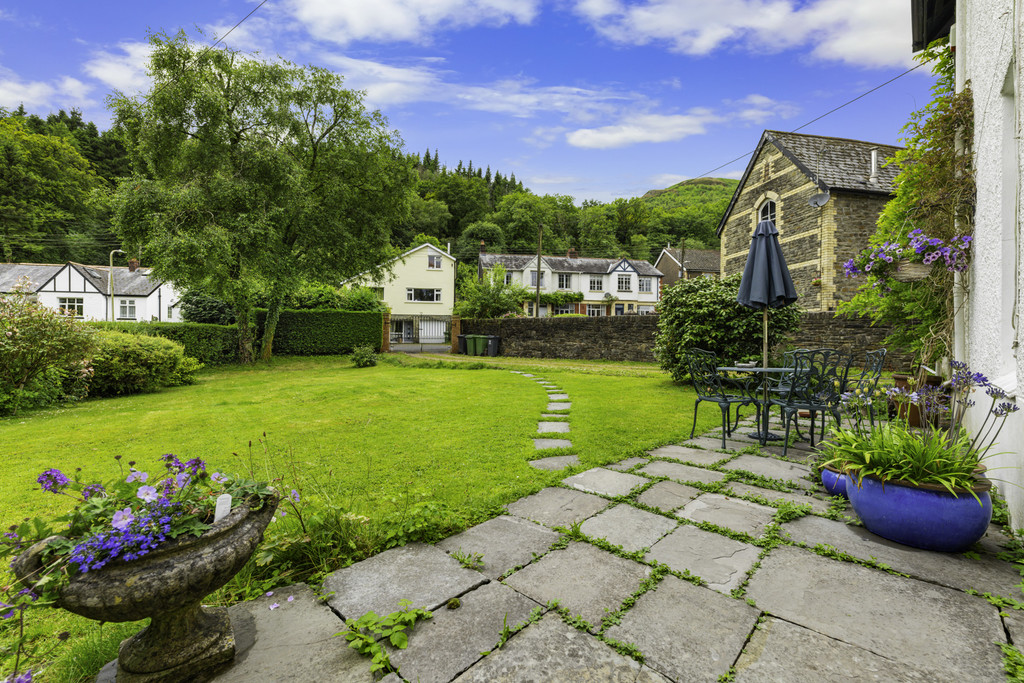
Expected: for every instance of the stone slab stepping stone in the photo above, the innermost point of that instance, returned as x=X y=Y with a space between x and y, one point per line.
x=555 y=462
x=294 y=641
x=525 y=374
x=558 y=397
x=986 y=574
x=449 y=643
x=561 y=405
x=505 y=542
x=582 y=578
x=551 y=650
x=712 y=444
x=781 y=651
x=696 y=456
x=721 y=561
x=772 y=468
x=556 y=506
x=668 y=495
x=544 y=444
x=679 y=472
x=629 y=527
x=817 y=504
x=424 y=574
x=552 y=427
x=732 y=513
x=1013 y=620
x=928 y=626
x=604 y=482
x=627 y=464
x=550 y=416
x=686 y=632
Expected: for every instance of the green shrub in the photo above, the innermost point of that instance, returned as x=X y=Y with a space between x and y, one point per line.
x=323 y=332
x=364 y=357
x=209 y=344
x=703 y=312
x=200 y=308
x=186 y=373
x=132 y=363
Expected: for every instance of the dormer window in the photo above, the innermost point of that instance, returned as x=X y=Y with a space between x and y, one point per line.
x=767 y=212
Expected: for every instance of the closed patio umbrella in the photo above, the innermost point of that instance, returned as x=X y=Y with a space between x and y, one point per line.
x=766 y=281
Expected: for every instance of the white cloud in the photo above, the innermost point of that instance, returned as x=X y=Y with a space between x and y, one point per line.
x=643 y=128
x=404 y=20
x=871 y=33
x=544 y=136
x=758 y=109
x=125 y=71
x=667 y=179
x=63 y=92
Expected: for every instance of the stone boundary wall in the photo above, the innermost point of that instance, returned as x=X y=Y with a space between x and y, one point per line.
x=857 y=335
x=620 y=337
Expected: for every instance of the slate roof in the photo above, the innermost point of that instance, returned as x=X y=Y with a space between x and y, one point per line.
x=37 y=273
x=126 y=283
x=562 y=264
x=703 y=260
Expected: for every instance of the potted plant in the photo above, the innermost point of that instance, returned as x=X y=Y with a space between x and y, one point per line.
x=924 y=486
x=142 y=547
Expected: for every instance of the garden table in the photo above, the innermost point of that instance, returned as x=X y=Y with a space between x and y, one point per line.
x=763 y=435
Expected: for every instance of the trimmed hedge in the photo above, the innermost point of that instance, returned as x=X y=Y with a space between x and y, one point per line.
x=323 y=331
x=207 y=343
x=128 y=363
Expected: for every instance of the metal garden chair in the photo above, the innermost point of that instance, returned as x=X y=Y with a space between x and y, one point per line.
x=867 y=379
x=815 y=386
x=711 y=386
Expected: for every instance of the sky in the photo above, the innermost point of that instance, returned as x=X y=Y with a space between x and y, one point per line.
x=595 y=99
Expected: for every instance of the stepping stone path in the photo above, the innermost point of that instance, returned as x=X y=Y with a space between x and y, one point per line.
x=754 y=610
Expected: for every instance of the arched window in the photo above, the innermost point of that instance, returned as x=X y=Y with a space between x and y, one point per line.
x=767 y=212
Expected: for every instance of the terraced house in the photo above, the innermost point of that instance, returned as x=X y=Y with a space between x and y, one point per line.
x=601 y=286
x=824 y=195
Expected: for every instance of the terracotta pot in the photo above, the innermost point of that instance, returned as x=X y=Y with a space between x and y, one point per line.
x=909 y=411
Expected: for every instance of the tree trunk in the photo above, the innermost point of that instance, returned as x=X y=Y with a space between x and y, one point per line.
x=273 y=313
x=243 y=320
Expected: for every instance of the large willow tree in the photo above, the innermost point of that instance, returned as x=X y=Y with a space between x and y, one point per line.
x=250 y=175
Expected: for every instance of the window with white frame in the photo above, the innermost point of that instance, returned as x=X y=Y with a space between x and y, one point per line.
x=126 y=310
x=645 y=284
x=645 y=310
x=434 y=261
x=564 y=309
x=508 y=278
x=72 y=305
x=625 y=282
x=423 y=295
x=596 y=283
x=595 y=310
x=565 y=280
x=170 y=312
x=533 y=278
x=767 y=212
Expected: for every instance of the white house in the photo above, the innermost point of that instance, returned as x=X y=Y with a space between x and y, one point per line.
x=988 y=36
x=420 y=290
x=85 y=291
x=609 y=286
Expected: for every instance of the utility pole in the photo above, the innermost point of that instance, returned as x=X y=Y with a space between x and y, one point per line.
x=110 y=281
x=540 y=238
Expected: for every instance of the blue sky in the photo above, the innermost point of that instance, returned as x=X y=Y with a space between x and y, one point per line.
x=595 y=99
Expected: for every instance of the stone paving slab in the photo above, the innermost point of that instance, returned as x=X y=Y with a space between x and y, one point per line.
x=554 y=416
x=556 y=462
x=668 y=495
x=583 y=579
x=505 y=542
x=556 y=506
x=781 y=651
x=1013 y=620
x=818 y=505
x=560 y=405
x=679 y=472
x=604 y=482
x=713 y=444
x=986 y=574
x=772 y=468
x=697 y=456
x=721 y=561
x=930 y=627
x=551 y=650
x=627 y=464
x=686 y=632
x=552 y=427
x=449 y=643
x=424 y=574
x=629 y=527
x=558 y=397
x=544 y=444
x=293 y=642
x=732 y=513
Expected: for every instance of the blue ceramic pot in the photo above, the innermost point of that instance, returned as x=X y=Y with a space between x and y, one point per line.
x=926 y=517
x=834 y=481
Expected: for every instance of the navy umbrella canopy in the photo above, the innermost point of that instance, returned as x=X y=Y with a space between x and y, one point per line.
x=766 y=281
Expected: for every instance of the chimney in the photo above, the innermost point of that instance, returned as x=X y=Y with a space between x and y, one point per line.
x=873 y=178
x=572 y=254
x=483 y=247
x=133 y=265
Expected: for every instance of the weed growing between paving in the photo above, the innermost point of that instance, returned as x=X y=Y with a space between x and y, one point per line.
x=469 y=560
x=1013 y=662
x=367 y=634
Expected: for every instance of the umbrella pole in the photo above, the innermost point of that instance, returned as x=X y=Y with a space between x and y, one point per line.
x=764 y=351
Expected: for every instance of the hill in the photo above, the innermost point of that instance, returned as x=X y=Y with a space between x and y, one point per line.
x=692 y=192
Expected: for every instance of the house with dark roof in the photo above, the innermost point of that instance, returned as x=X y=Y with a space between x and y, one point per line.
x=609 y=286
x=680 y=263
x=96 y=292
x=824 y=195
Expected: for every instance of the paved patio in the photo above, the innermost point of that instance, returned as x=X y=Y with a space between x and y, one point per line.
x=676 y=566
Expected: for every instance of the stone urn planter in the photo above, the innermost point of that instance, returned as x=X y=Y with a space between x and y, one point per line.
x=184 y=641
x=925 y=516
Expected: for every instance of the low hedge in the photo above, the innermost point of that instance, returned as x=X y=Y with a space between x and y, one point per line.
x=323 y=331
x=133 y=363
x=207 y=343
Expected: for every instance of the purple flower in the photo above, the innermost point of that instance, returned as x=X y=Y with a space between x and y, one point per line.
x=146 y=493
x=291 y=598
x=295 y=496
x=269 y=593
x=137 y=476
x=218 y=477
x=93 y=490
x=53 y=480
x=274 y=606
x=182 y=479
x=122 y=519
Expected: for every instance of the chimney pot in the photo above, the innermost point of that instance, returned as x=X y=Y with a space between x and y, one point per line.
x=133 y=265
x=483 y=247
x=873 y=178
x=571 y=254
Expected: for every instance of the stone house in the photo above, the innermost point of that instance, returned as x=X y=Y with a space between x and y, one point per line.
x=680 y=263
x=824 y=195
